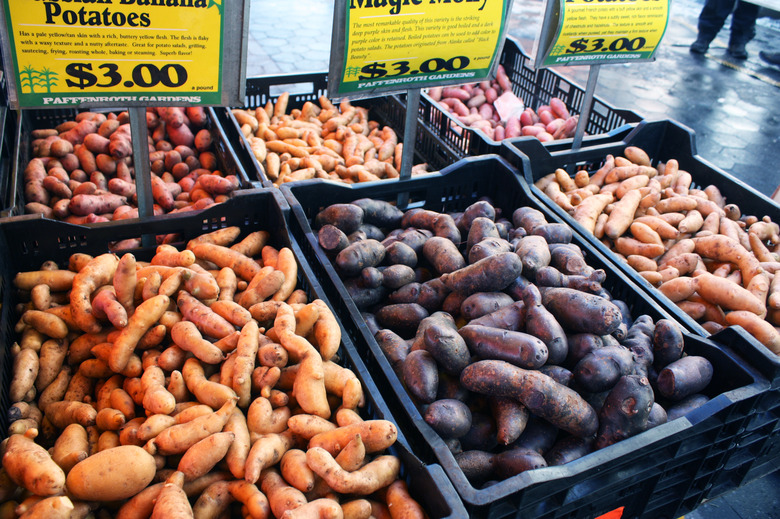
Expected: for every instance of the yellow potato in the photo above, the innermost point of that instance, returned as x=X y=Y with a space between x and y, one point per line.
x=113 y=474
x=30 y=466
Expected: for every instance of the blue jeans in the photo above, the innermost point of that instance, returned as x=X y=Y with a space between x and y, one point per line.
x=743 y=20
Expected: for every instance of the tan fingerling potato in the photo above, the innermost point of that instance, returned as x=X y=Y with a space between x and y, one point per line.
x=186 y=403
x=31 y=467
x=654 y=217
x=331 y=142
x=113 y=474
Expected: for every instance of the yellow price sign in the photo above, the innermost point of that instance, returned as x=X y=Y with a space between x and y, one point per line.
x=403 y=44
x=606 y=31
x=115 y=53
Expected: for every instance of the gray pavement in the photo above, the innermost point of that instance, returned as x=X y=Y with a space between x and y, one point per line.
x=732 y=106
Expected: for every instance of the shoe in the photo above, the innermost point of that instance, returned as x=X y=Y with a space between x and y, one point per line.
x=773 y=58
x=737 y=51
x=700 y=46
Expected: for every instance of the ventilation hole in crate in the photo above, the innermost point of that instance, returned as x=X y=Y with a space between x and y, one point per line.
x=566 y=88
x=69 y=242
x=213 y=224
x=600 y=109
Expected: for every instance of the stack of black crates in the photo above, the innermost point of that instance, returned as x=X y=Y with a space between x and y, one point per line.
x=663 y=472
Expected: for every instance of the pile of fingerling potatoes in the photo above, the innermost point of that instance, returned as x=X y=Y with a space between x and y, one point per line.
x=201 y=379
x=205 y=383
x=503 y=335
x=320 y=140
x=715 y=260
x=476 y=106
x=202 y=383
x=81 y=171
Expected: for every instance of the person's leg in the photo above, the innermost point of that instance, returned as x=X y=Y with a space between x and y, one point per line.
x=711 y=19
x=743 y=28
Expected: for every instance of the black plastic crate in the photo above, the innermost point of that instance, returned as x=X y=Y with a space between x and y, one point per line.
x=663 y=472
x=535 y=87
x=757 y=450
x=30 y=120
x=28 y=243
x=662 y=140
x=3 y=85
x=387 y=110
x=8 y=137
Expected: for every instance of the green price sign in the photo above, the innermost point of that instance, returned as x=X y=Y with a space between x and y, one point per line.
x=398 y=45
x=588 y=32
x=122 y=53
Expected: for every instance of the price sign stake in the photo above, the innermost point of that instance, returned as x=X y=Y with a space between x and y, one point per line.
x=410 y=137
x=587 y=104
x=140 y=133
